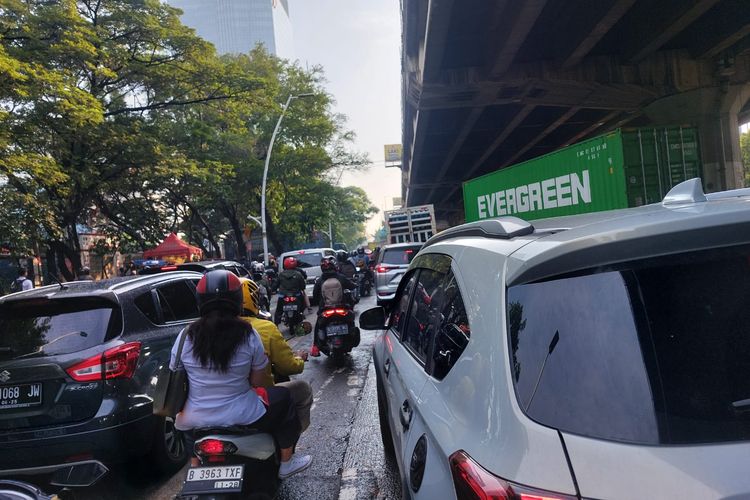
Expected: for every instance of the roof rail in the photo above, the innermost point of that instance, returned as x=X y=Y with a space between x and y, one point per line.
x=689 y=191
x=503 y=228
x=733 y=193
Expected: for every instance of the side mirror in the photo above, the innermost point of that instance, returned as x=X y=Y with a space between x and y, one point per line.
x=372 y=319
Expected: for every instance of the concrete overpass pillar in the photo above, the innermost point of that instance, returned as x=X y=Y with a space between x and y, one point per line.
x=720 y=140
x=716 y=114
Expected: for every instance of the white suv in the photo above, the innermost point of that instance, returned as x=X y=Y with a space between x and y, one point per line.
x=600 y=356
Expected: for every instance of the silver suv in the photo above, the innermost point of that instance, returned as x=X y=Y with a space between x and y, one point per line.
x=392 y=263
x=604 y=355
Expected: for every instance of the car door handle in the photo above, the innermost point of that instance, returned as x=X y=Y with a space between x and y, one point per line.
x=387 y=366
x=405 y=415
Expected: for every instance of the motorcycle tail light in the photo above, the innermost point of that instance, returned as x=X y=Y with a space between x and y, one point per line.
x=119 y=362
x=339 y=311
x=472 y=482
x=213 y=447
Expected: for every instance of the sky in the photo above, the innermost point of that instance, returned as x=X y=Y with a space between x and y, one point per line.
x=358 y=43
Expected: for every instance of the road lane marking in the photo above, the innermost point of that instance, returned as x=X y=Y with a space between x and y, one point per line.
x=348 y=490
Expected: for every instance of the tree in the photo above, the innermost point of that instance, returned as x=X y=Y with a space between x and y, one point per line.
x=87 y=83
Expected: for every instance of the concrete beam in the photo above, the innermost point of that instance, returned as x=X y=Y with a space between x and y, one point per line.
x=509 y=128
x=438 y=19
x=547 y=131
x=525 y=15
x=591 y=129
x=618 y=9
x=466 y=129
x=675 y=26
x=724 y=43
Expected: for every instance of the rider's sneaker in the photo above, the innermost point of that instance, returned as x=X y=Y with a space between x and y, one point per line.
x=296 y=464
x=314 y=351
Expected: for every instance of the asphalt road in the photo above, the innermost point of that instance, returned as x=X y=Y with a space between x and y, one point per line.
x=343 y=438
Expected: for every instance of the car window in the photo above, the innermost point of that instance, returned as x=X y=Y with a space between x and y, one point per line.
x=55 y=327
x=653 y=352
x=425 y=313
x=399 y=314
x=178 y=301
x=145 y=303
x=454 y=332
x=242 y=272
x=305 y=260
x=399 y=256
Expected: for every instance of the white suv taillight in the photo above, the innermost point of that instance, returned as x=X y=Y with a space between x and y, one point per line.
x=472 y=481
x=118 y=362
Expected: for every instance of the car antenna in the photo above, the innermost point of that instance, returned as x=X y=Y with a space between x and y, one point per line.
x=54 y=278
x=552 y=345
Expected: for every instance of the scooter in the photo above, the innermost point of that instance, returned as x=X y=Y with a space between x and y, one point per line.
x=235 y=462
x=363 y=281
x=336 y=323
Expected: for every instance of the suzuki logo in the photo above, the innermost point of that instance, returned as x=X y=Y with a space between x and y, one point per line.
x=4 y=376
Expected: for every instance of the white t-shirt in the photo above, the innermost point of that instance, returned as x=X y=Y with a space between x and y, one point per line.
x=221 y=399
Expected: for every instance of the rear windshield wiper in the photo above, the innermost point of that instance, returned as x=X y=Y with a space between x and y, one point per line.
x=741 y=405
x=40 y=349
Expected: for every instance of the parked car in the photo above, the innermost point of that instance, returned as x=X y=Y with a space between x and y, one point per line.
x=78 y=366
x=603 y=355
x=392 y=263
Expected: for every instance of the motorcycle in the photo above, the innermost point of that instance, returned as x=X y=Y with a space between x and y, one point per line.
x=292 y=315
x=234 y=462
x=363 y=281
x=20 y=490
x=336 y=323
x=271 y=281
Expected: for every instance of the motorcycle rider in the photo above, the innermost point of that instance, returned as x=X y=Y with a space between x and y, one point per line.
x=283 y=361
x=329 y=299
x=346 y=267
x=223 y=357
x=291 y=282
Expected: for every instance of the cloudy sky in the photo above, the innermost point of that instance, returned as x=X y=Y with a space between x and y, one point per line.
x=358 y=43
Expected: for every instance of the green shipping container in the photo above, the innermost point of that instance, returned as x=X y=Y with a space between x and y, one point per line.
x=625 y=168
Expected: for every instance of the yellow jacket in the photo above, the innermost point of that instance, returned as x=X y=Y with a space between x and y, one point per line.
x=278 y=351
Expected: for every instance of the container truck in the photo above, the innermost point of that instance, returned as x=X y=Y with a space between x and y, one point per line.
x=624 y=168
x=410 y=225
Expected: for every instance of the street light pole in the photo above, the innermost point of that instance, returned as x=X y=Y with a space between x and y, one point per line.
x=265 y=174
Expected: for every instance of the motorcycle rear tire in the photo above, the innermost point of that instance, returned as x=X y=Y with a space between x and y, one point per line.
x=339 y=358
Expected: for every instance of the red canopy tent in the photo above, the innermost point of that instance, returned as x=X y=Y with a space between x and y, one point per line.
x=172 y=249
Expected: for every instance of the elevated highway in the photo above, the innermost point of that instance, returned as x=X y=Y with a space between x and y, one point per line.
x=487 y=84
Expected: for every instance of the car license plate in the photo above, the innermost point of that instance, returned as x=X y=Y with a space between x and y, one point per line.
x=225 y=479
x=290 y=307
x=20 y=396
x=334 y=330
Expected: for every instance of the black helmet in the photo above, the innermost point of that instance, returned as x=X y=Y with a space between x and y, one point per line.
x=360 y=250
x=219 y=290
x=327 y=264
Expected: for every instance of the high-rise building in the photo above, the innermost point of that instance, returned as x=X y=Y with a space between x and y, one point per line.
x=236 y=26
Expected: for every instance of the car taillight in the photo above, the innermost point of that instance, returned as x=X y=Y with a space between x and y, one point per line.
x=383 y=269
x=118 y=362
x=339 y=311
x=210 y=447
x=472 y=481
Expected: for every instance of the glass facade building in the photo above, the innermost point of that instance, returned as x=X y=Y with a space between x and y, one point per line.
x=236 y=26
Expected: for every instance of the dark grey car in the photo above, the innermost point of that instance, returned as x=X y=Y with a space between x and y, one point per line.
x=78 y=366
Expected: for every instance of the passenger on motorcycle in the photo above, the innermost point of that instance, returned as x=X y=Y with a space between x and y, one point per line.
x=346 y=267
x=224 y=357
x=284 y=361
x=291 y=282
x=327 y=296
